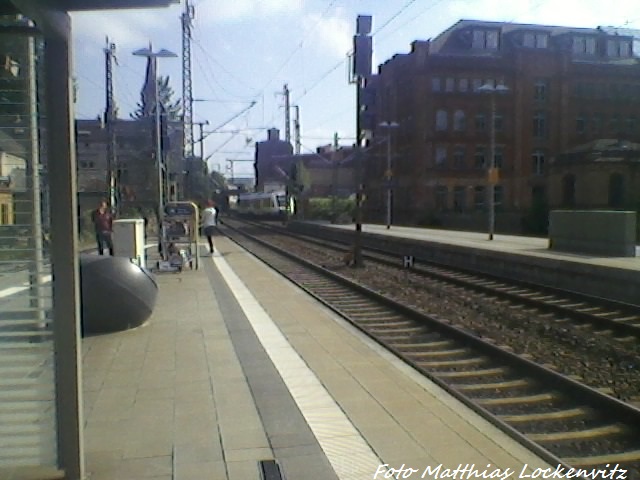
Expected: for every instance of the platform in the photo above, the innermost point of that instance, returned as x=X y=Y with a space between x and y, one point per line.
x=509 y=256
x=236 y=366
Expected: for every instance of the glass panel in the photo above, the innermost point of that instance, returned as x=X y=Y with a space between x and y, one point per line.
x=27 y=387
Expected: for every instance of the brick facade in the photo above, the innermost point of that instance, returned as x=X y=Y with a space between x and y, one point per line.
x=564 y=87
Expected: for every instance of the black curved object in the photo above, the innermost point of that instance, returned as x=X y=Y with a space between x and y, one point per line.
x=116 y=294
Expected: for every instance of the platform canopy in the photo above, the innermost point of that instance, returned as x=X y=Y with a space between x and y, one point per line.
x=14 y=6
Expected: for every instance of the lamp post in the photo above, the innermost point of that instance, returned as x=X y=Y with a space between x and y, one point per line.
x=389 y=173
x=492 y=176
x=152 y=57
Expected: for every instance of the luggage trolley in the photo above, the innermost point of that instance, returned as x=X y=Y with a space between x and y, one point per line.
x=179 y=237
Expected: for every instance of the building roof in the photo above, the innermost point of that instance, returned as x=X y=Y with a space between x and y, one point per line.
x=445 y=38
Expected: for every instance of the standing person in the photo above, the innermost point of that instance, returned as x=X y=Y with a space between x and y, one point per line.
x=209 y=222
x=103 y=222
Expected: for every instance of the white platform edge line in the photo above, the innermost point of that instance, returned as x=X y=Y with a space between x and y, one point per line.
x=334 y=431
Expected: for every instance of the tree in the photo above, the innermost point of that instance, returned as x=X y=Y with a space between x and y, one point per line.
x=173 y=110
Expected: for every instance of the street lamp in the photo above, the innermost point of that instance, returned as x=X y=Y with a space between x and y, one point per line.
x=389 y=173
x=152 y=57
x=492 y=176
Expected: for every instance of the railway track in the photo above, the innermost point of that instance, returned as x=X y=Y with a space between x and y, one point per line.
x=606 y=317
x=564 y=421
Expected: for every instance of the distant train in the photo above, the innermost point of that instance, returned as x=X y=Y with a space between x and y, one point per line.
x=261 y=204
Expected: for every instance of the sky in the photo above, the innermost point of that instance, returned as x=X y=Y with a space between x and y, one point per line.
x=245 y=51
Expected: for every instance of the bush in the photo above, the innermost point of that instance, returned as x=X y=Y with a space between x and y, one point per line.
x=323 y=209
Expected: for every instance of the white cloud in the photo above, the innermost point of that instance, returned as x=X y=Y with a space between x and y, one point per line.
x=128 y=28
x=333 y=34
x=239 y=10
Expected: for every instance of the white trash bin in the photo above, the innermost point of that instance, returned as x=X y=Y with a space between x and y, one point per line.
x=129 y=240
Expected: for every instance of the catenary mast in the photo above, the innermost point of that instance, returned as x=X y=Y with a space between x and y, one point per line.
x=187 y=87
x=110 y=115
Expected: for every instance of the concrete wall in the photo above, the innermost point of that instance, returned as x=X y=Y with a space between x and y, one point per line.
x=600 y=232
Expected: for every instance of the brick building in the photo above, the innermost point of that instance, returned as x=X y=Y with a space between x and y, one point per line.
x=136 y=168
x=604 y=174
x=560 y=87
x=328 y=171
x=270 y=174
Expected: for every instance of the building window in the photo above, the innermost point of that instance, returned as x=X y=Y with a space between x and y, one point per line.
x=596 y=124
x=449 y=84
x=479 y=157
x=584 y=45
x=459 y=122
x=441 y=156
x=480 y=122
x=498 y=195
x=442 y=192
x=616 y=190
x=485 y=39
x=569 y=190
x=459 y=198
x=537 y=162
x=463 y=84
x=498 y=158
x=580 y=125
x=536 y=40
x=435 y=84
x=614 y=125
x=540 y=125
x=541 y=90
x=478 y=197
x=498 y=122
x=618 y=48
x=4 y=214
x=631 y=124
x=476 y=83
x=441 y=120
x=458 y=157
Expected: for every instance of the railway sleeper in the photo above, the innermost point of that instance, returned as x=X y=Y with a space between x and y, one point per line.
x=438 y=353
x=536 y=398
x=610 y=458
x=454 y=363
x=394 y=331
x=507 y=384
x=486 y=372
x=391 y=321
x=572 y=435
x=566 y=414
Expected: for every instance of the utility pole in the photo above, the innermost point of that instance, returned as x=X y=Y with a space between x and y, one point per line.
x=296 y=130
x=110 y=115
x=334 y=181
x=287 y=114
x=187 y=86
x=201 y=138
x=362 y=57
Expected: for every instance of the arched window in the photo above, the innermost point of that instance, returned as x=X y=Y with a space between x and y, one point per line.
x=616 y=190
x=459 y=122
x=441 y=120
x=569 y=190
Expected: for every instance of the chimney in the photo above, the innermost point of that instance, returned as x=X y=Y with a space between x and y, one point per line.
x=273 y=134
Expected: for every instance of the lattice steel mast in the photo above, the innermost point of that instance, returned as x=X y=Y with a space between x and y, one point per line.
x=110 y=115
x=187 y=87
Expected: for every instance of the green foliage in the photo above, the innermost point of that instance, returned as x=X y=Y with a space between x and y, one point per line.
x=327 y=209
x=173 y=110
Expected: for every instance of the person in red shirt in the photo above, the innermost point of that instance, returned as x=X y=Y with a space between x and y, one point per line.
x=103 y=223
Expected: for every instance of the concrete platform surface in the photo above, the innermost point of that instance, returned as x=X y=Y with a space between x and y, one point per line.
x=236 y=366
